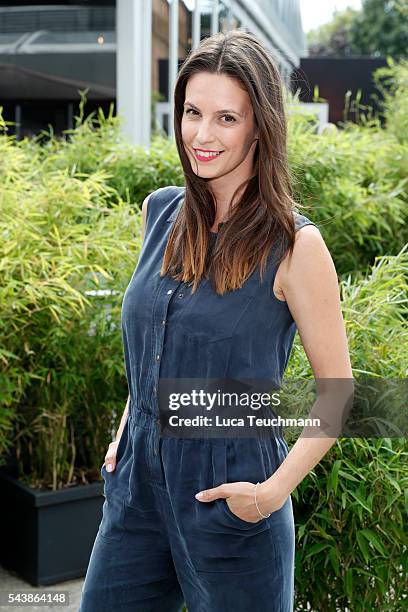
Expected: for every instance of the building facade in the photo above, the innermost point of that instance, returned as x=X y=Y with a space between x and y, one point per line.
x=51 y=51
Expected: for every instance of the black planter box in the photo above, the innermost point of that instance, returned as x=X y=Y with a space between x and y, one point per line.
x=47 y=536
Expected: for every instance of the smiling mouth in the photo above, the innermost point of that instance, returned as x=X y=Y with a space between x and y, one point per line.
x=206 y=156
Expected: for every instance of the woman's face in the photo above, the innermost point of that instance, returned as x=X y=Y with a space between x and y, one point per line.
x=218 y=116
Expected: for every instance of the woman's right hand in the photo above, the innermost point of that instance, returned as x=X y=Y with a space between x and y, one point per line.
x=110 y=457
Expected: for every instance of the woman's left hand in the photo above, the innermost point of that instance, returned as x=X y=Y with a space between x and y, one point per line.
x=240 y=498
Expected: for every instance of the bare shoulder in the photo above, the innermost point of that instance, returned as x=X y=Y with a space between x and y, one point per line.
x=309 y=240
x=310 y=269
x=310 y=251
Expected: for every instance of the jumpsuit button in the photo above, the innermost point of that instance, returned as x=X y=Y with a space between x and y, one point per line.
x=180 y=295
x=157 y=357
x=169 y=291
x=164 y=322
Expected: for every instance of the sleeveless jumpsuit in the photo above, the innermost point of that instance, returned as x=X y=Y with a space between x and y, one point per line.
x=157 y=545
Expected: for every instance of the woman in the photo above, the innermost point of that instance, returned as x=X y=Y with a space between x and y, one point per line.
x=227 y=272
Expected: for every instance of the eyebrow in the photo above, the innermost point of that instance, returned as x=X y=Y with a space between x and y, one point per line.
x=225 y=110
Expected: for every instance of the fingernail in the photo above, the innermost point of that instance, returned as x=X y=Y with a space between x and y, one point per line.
x=199 y=495
x=109 y=467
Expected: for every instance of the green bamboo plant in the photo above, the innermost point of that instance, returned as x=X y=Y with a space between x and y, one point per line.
x=350 y=512
x=66 y=258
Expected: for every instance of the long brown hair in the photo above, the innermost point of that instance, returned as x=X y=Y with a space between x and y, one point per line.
x=262 y=217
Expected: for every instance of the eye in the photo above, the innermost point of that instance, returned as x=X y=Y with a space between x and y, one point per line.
x=194 y=111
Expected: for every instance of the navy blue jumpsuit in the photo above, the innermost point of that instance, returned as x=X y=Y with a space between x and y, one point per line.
x=157 y=545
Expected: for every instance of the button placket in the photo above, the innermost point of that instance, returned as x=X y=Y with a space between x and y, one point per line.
x=162 y=304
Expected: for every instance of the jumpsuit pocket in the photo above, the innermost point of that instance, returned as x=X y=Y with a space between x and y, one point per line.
x=217 y=539
x=112 y=524
x=239 y=460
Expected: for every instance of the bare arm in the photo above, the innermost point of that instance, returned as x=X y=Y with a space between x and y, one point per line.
x=122 y=421
x=310 y=287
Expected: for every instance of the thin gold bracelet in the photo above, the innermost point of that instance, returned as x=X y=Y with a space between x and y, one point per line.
x=256 y=504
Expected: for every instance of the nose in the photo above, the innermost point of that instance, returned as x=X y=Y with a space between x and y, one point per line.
x=204 y=133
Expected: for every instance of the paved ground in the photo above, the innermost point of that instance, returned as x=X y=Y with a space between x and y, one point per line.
x=12 y=582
